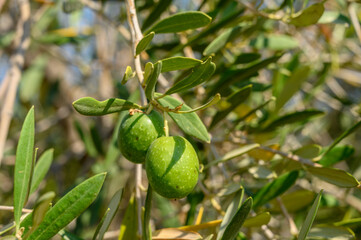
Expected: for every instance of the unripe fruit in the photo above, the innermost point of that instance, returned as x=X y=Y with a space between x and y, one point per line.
x=137 y=132
x=172 y=166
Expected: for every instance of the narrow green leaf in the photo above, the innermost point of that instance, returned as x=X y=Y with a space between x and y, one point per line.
x=336 y=154
x=308 y=151
x=348 y=222
x=110 y=214
x=41 y=169
x=291 y=118
x=68 y=208
x=143 y=44
x=275 y=188
x=308 y=16
x=334 y=176
x=340 y=233
x=237 y=221
x=42 y=206
x=246 y=58
x=190 y=123
x=233 y=101
x=274 y=42
x=148 y=70
x=310 y=217
x=90 y=107
x=178 y=63
x=180 y=22
x=343 y=135
x=293 y=85
x=258 y=220
x=153 y=79
x=200 y=74
x=291 y=201
x=24 y=165
x=220 y=41
x=129 y=226
x=335 y=17
x=127 y=75
x=100 y=224
x=211 y=102
x=148 y=207
x=230 y=212
x=234 y=153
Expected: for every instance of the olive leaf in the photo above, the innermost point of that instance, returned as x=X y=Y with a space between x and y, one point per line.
x=91 y=107
x=144 y=42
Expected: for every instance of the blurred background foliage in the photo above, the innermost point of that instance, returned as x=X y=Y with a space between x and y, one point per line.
x=311 y=64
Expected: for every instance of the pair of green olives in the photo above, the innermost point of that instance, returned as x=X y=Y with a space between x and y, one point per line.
x=171 y=163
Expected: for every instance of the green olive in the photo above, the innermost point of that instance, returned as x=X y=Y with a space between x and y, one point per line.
x=172 y=166
x=137 y=132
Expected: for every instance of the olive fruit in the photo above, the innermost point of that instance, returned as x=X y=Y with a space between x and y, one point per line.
x=172 y=166
x=137 y=132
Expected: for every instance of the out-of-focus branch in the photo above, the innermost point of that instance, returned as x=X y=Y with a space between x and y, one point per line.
x=293 y=227
x=11 y=208
x=354 y=20
x=96 y=7
x=13 y=75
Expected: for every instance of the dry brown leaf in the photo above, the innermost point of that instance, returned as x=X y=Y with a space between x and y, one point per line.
x=175 y=234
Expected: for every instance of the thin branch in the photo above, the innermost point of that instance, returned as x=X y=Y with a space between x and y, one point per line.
x=293 y=227
x=136 y=37
x=13 y=75
x=11 y=208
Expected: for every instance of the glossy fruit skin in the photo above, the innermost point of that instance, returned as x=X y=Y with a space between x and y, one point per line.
x=137 y=132
x=172 y=166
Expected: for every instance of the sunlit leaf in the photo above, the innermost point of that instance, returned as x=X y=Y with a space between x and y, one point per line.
x=144 y=42
x=274 y=42
x=339 y=233
x=220 y=41
x=127 y=75
x=190 y=123
x=336 y=154
x=152 y=81
x=178 y=63
x=180 y=22
x=129 y=226
x=334 y=176
x=24 y=165
x=68 y=208
x=306 y=226
x=261 y=154
x=291 y=201
x=258 y=220
x=41 y=169
x=308 y=16
x=334 y=17
x=200 y=74
x=308 y=151
x=90 y=107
